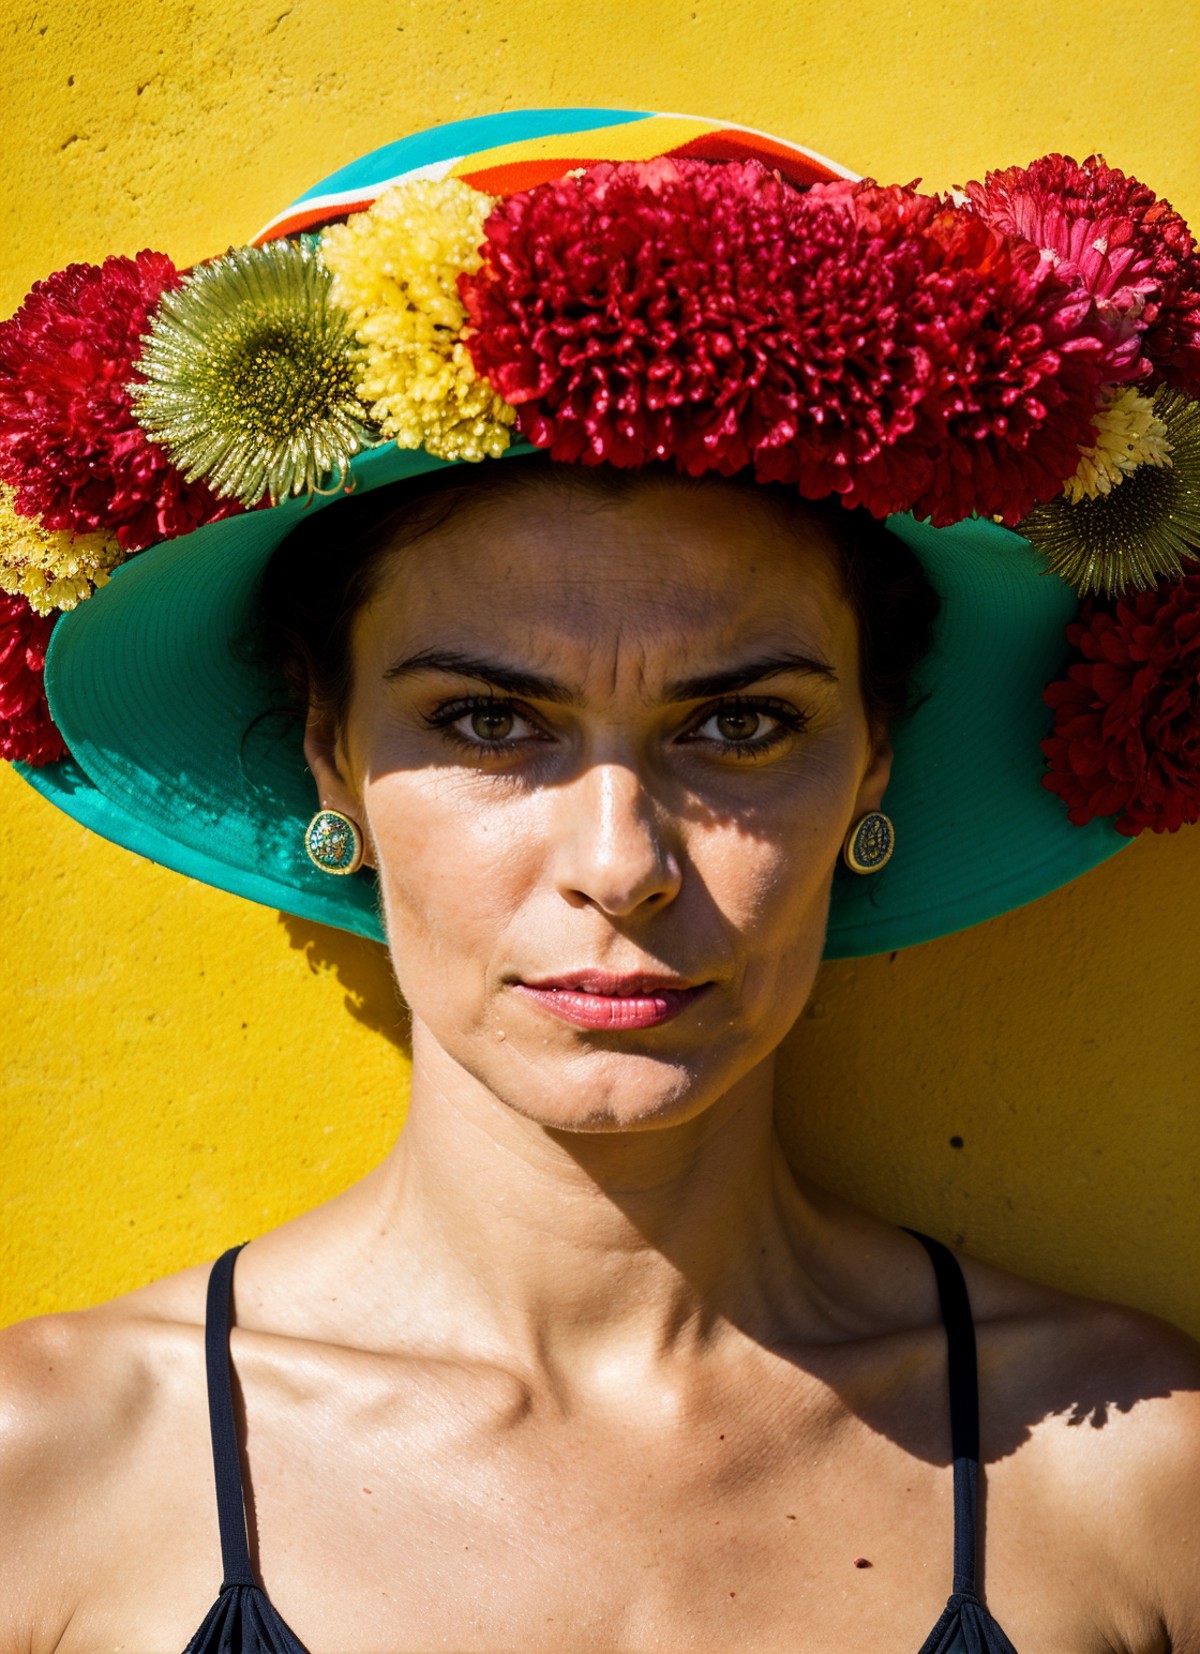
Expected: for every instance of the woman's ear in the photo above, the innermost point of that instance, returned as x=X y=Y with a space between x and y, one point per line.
x=327 y=761
x=876 y=777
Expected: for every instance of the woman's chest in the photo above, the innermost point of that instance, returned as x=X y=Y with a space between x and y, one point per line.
x=442 y=1531
x=582 y=1544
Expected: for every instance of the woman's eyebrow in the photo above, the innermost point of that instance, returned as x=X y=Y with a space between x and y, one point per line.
x=510 y=678
x=517 y=682
x=741 y=677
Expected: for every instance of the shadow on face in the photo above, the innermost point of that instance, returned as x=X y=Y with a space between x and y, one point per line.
x=613 y=733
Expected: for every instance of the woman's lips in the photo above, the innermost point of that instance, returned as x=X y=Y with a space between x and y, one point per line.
x=597 y=1001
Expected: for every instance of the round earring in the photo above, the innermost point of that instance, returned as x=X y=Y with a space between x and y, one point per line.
x=334 y=842
x=869 y=843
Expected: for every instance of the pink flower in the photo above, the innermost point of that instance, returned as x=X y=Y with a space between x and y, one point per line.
x=1018 y=359
x=26 y=730
x=69 y=443
x=1126 y=736
x=1112 y=235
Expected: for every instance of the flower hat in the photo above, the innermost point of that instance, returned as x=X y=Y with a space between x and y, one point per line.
x=1008 y=374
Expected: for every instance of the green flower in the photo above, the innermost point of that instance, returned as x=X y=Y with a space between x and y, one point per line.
x=247 y=377
x=1146 y=526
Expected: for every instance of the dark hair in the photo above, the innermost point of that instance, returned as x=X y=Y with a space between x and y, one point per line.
x=326 y=570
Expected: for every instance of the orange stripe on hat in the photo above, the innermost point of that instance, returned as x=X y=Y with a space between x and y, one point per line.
x=798 y=166
x=512 y=176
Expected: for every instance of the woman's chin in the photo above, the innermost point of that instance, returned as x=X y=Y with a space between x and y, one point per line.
x=568 y=1077
x=609 y=1092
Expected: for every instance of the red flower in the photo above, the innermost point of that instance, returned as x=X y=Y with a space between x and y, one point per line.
x=856 y=340
x=25 y=727
x=648 y=311
x=69 y=443
x=1126 y=737
x=1113 y=235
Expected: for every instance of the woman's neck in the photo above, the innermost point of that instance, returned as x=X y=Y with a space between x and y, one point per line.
x=578 y=1255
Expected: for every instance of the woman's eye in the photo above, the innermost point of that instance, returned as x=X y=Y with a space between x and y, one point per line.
x=749 y=727
x=490 y=723
x=737 y=724
x=484 y=723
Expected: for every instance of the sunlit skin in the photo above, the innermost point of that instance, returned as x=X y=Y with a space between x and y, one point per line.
x=585 y=1366
x=669 y=799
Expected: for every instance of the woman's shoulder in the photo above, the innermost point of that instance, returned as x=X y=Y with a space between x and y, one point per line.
x=1060 y=1340
x=1097 y=1407
x=91 y=1365
x=90 y=1405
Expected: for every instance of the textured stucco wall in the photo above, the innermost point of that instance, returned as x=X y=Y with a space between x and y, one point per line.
x=182 y=1069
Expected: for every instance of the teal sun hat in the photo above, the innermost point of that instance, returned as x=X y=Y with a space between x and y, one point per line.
x=160 y=705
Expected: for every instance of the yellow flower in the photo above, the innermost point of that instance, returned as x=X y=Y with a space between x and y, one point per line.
x=395 y=270
x=49 y=567
x=1128 y=433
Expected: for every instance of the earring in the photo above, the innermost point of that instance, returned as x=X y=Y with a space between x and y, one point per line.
x=334 y=842
x=869 y=843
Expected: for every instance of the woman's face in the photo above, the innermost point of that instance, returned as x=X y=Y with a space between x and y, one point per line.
x=606 y=750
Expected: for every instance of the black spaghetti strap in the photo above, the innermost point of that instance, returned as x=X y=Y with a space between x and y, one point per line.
x=964 y=1406
x=227 y=1465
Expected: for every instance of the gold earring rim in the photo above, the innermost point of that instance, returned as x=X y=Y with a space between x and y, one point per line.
x=356 y=860
x=848 y=855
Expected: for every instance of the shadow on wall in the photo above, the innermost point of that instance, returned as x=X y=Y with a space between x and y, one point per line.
x=363 y=970
x=1025 y=1089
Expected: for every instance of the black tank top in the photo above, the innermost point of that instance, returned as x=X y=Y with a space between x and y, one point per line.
x=243 y=1621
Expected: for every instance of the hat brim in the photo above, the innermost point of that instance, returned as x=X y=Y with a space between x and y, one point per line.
x=172 y=758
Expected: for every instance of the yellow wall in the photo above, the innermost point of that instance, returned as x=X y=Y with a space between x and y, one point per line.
x=181 y=1069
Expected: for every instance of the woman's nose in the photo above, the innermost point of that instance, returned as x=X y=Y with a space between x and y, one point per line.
x=615 y=849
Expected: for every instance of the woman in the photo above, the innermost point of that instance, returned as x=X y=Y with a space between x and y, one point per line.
x=584 y=1363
